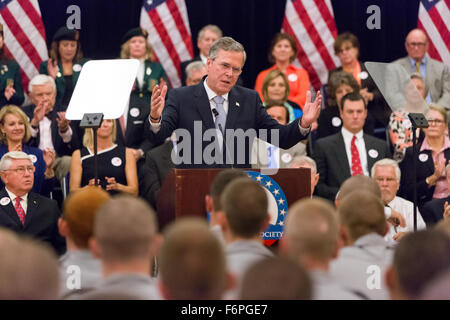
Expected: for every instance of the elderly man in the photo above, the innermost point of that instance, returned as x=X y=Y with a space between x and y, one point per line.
x=210 y=109
x=50 y=130
x=195 y=72
x=387 y=174
x=435 y=73
x=24 y=211
x=206 y=36
x=308 y=163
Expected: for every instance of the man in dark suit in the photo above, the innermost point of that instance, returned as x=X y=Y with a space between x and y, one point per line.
x=23 y=211
x=210 y=109
x=349 y=152
x=206 y=36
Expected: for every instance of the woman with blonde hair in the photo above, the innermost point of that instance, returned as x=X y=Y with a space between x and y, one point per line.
x=15 y=133
x=116 y=164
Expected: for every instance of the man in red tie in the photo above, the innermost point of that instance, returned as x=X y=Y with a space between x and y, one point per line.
x=23 y=211
x=349 y=152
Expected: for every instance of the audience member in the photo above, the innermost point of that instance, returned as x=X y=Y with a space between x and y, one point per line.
x=346 y=48
x=434 y=153
x=444 y=225
x=125 y=240
x=116 y=164
x=311 y=239
x=205 y=38
x=275 y=88
x=419 y=259
x=276 y=279
x=309 y=163
x=339 y=84
x=65 y=64
x=438 y=289
x=282 y=52
x=22 y=210
x=435 y=73
x=349 y=152
x=195 y=71
x=266 y=155
x=192 y=262
x=365 y=256
x=28 y=269
x=387 y=174
x=10 y=79
x=76 y=226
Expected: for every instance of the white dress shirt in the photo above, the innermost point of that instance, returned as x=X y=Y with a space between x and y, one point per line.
x=23 y=202
x=45 y=131
x=360 y=145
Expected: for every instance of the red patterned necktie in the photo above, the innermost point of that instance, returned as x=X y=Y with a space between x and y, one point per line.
x=19 y=210
x=356 y=161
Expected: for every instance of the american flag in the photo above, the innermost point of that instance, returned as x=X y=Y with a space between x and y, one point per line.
x=311 y=23
x=434 y=19
x=24 y=35
x=169 y=34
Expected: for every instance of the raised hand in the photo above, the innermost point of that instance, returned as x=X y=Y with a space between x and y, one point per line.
x=9 y=91
x=52 y=67
x=63 y=123
x=49 y=157
x=38 y=113
x=311 y=110
x=397 y=219
x=157 y=102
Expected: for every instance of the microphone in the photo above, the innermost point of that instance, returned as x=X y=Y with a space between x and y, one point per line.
x=216 y=113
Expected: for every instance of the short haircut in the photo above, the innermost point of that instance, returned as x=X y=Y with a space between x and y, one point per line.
x=192 y=261
x=444 y=225
x=337 y=79
x=387 y=162
x=299 y=160
x=358 y=182
x=362 y=213
x=277 y=38
x=312 y=230
x=276 y=279
x=39 y=80
x=345 y=37
x=419 y=258
x=221 y=180
x=14 y=110
x=29 y=269
x=211 y=27
x=6 y=161
x=194 y=66
x=226 y=44
x=419 y=77
x=353 y=96
x=79 y=213
x=124 y=229
x=245 y=204
x=278 y=104
x=88 y=137
x=271 y=75
x=440 y=109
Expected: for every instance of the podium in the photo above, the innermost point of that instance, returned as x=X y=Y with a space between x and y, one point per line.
x=183 y=191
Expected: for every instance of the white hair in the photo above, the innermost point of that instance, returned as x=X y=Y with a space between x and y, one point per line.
x=194 y=66
x=7 y=159
x=305 y=159
x=387 y=162
x=39 y=80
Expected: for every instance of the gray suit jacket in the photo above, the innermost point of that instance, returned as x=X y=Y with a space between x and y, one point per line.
x=260 y=154
x=332 y=161
x=437 y=80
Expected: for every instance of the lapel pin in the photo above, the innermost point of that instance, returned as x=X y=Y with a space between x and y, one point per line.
x=34 y=201
x=237 y=104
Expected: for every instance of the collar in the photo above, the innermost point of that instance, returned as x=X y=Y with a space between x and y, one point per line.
x=370 y=239
x=211 y=94
x=426 y=146
x=13 y=197
x=413 y=62
x=203 y=59
x=348 y=135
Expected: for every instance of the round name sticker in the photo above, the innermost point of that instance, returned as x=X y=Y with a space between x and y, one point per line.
x=423 y=157
x=33 y=158
x=292 y=77
x=148 y=71
x=336 y=121
x=77 y=67
x=363 y=75
x=116 y=161
x=134 y=112
x=373 y=153
x=4 y=201
x=286 y=158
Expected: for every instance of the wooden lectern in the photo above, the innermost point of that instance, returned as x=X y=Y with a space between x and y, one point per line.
x=183 y=191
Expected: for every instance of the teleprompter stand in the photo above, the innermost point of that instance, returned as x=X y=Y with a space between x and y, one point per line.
x=93 y=121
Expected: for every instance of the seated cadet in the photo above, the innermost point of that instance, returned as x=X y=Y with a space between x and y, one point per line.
x=311 y=239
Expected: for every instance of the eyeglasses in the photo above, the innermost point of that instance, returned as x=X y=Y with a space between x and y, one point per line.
x=435 y=121
x=21 y=170
x=225 y=67
x=416 y=44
